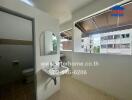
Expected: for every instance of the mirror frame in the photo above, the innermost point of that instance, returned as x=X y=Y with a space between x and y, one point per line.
x=42 y=49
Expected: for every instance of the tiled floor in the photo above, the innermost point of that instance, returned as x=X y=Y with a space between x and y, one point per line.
x=16 y=91
x=72 y=89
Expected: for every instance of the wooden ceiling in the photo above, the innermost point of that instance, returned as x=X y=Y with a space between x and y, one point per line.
x=67 y=34
x=105 y=20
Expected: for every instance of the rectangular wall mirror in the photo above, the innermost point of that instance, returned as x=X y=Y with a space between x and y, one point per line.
x=48 y=43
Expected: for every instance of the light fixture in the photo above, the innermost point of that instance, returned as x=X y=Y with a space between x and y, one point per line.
x=28 y=2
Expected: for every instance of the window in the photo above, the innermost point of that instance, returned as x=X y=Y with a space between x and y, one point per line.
x=102 y=38
x=82 y=46
x=95 y=43
x=110 y=45
x=66 y=40
x=123 y=35
x=116 y=36
x=127 y=45
x=103 y=46
x=110 y=37
x=127 y=35
x=117 y=46
x=105 y=37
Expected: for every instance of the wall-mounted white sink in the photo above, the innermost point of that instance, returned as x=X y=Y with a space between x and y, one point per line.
x=55 y=71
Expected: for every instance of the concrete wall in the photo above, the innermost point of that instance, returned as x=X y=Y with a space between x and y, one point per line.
x=45 y=86
x=77 y=40
x=112 y=75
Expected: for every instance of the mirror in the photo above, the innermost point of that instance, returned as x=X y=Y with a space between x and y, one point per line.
x=48 y=43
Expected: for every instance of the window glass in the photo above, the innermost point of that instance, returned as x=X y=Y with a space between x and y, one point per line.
x=116 y=36
x=127 y=35
x=125 y=45
x=117 y=46
x=104 y=46
x=110 y=37
x=96 y=43
x=110 y=45
x=123 y=35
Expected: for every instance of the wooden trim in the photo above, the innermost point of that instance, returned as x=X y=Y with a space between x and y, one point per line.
x=79 y=26
x=108 y=29
x=15 y=42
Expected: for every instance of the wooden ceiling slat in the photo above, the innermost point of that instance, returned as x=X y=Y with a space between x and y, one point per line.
x=80 y=26
x=105 y=20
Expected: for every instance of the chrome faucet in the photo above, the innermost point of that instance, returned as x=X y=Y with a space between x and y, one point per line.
x=60 y=63
x=53 y=64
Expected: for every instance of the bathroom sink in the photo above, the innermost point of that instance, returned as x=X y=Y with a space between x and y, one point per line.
x=56 y=71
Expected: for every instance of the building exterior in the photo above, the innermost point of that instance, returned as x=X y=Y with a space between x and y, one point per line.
x=86 y=45
x=91 y=44
x=117 y=42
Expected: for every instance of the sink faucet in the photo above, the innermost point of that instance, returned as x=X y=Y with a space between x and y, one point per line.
x=53 y=64
x=60 y=63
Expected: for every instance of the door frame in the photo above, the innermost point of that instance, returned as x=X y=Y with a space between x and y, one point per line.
x=6 y=10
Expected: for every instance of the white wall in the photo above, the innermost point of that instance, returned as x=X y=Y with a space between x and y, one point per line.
x=14 y=27
x=45 y=86
x=65 y=26
x=77 y=40
x=113 y=75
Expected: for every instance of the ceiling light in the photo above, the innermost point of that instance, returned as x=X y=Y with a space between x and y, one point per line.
x=28 y=2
